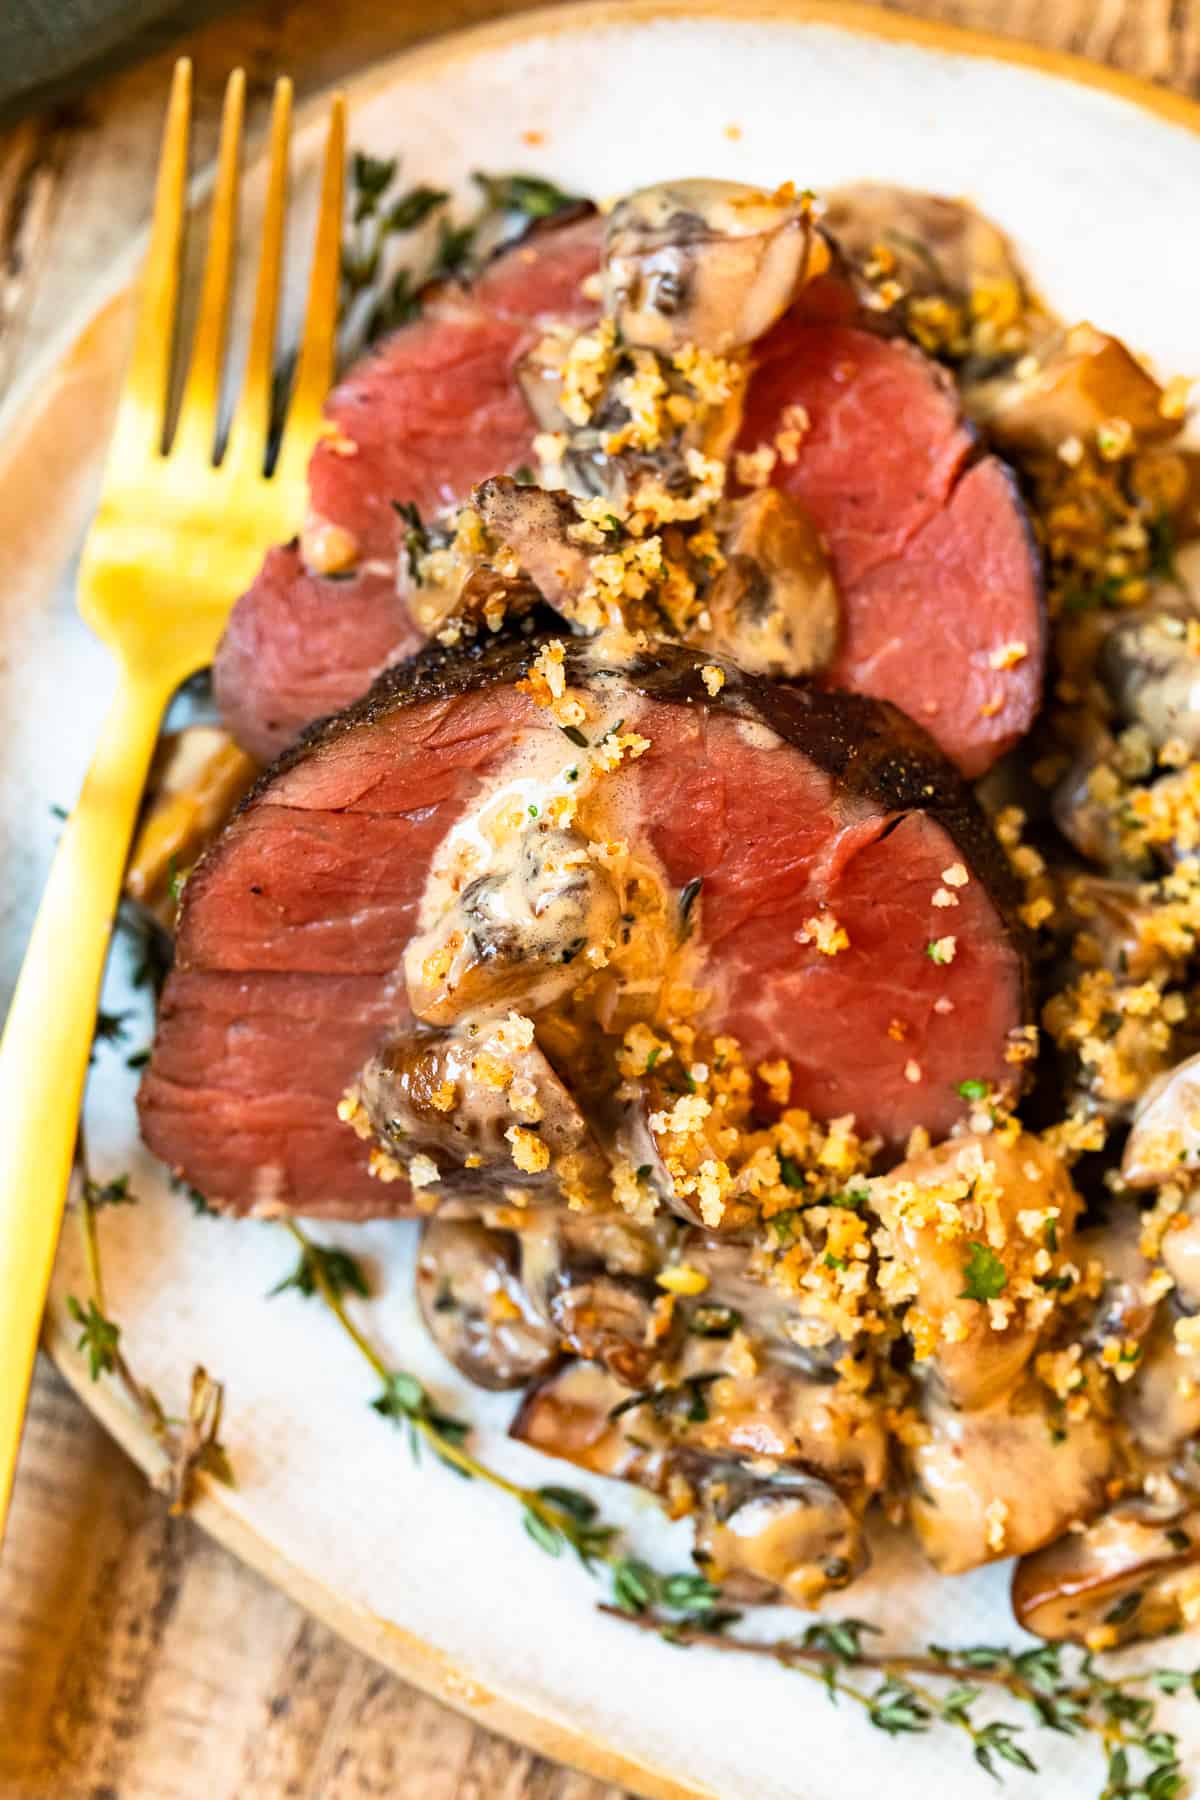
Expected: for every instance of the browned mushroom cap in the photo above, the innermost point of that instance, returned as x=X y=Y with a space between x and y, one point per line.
x=475 y=1308
x=1002 y=1194
x=792 y=1540
x=1004 y=1480
x=710 y=263
x=487 y=1109
x=927 y=244
x=774 y=607
x=513 y=936
x=1151 y=668
x=1082 y=382
x=1131 y=1574
x=197 y=778
x=1164 y=1138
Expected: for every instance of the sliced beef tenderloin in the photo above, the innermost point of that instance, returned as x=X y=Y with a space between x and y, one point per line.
x=799 y=811
x=933 y=552
x=423 y=417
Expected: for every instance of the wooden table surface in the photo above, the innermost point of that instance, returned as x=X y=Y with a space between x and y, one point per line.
x=138 y=1660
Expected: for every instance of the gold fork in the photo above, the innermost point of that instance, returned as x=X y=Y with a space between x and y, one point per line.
x=176 y=538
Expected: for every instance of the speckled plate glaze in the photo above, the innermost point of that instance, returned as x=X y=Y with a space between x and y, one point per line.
x=1092 y=174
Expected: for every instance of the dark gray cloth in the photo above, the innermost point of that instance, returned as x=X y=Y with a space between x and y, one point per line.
x=50 y=49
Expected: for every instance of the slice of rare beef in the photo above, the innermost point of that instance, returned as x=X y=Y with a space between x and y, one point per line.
x=431 y=411
x=794 y=807
x=933 y=553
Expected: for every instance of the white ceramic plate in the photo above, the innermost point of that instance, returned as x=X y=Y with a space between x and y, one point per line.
x=1092 y=176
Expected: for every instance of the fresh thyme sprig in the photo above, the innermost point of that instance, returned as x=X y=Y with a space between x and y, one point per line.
x=1061 y=1686
x=192 y=1444
x=902 y=1695
x=509 y=203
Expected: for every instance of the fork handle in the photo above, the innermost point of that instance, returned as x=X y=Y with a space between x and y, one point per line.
x=48 y=1036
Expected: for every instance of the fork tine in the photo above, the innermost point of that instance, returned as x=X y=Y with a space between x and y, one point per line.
x=142 y=411
x=247 y=448
x=198 y=407
x=314 y=373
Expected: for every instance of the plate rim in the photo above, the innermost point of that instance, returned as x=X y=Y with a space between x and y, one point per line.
x=30 y=400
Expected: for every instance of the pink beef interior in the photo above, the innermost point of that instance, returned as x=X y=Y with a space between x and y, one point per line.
x=434 y=410
x=294 y=928
x=934 y=558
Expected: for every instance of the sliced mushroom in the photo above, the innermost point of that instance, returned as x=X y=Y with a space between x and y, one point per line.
x=668 y=1165
x=1004 y=1479
x=1164 y=1138
x=534 y=525
x=1161 y=1405
x=1181 y=1255
x=774 y=1412
x=1130 y=1574
x=1126 y=1306
x=515 y=935
x=199 y=775
x=485 y=1108
x=735 y=1297
x=1119 y=926
x=1083 y=381
x=964 y=1201
x=936 y=244
x=475 y=1308
x=911 y=245
x=792 y=1540
x=591 y=1276
x=1151 y=667
x=774 y=607
x=1081 y=811
x=710 y=263
x=570 y=1415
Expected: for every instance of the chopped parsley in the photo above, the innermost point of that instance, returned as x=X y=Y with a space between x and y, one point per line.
x=973 y=1090
x=984 y=1274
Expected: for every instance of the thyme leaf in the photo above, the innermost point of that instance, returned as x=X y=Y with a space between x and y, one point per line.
x=197 y=1447
x=341 y=1271
x=529 y=196
x=98 y=1336
x=116 y=1192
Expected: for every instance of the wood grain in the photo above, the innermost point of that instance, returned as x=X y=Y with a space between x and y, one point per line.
x=139 y=1661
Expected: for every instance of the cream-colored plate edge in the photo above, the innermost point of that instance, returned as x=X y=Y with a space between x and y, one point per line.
x=37 y=454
